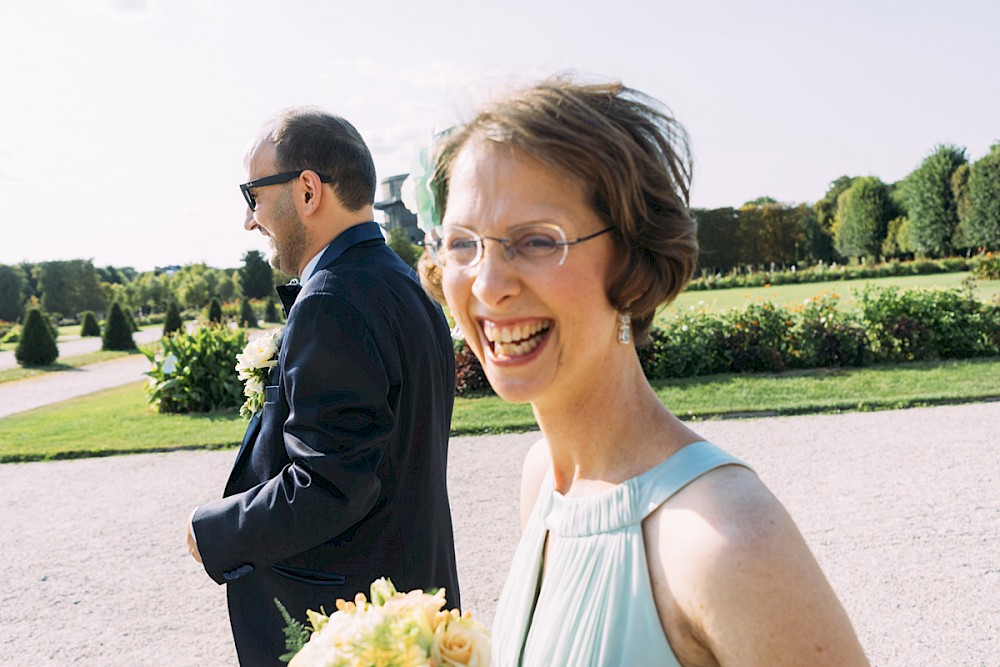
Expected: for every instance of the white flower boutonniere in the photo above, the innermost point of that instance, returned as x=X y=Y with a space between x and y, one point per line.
x=253 y=364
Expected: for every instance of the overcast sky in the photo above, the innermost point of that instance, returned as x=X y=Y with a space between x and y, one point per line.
x=123 y=122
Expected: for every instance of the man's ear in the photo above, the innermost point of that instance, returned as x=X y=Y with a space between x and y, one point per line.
x=310 y=193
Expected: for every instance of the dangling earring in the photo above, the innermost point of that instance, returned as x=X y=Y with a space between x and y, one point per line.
x=456 y=333
x=624 y=328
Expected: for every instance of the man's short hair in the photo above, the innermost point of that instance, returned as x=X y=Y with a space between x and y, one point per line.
x=310 y=138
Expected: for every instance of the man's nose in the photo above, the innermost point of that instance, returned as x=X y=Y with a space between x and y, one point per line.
x=249 y=223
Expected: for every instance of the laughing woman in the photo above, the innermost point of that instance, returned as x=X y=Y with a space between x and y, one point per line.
x=564 y=226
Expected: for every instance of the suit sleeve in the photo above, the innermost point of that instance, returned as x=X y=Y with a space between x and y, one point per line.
x=335 y=437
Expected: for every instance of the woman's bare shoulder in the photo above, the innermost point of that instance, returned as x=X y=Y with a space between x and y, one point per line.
x=732 y=569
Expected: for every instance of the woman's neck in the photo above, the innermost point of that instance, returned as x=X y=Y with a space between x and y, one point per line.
x=611 y=430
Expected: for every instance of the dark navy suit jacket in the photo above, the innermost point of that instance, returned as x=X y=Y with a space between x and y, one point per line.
x=342 y=478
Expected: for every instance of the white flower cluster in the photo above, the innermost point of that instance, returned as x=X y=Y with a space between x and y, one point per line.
x=253 y=364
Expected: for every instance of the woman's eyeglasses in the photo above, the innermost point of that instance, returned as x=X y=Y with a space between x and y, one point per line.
x=540 y=243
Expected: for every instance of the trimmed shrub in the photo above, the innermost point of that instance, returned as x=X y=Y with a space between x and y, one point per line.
x=271 y=312
x=130 y=316
x=196 y=372
x=90 y=326
x=173 y=321
x=37 y=346
x=248 y=317
x=215 y=311
x=117 y=330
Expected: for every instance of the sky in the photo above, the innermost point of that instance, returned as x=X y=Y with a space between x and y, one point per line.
x=123 y=123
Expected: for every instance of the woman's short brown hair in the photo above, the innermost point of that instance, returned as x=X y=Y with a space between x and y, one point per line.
x=632 y=158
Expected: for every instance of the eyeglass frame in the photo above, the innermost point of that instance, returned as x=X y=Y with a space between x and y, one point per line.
x=510 y=252
x=275 y=179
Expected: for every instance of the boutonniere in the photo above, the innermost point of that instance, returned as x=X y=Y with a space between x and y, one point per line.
x=253 y=364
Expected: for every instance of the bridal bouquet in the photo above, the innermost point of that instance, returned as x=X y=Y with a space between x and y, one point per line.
x=392 y=629
x=253 y=364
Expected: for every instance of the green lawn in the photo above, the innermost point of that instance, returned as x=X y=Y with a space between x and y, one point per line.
x=118 y=421
x=724 y=299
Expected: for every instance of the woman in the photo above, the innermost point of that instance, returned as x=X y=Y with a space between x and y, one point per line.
x=564 y=227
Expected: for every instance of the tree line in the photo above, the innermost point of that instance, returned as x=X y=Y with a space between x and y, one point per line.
x=66 y=289
x=945 y=206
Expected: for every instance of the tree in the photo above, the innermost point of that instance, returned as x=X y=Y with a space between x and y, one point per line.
x=214 y=311
x=173 y=321
x=248 y=317
x=933 y=212
x=256 y=276
x=982 y=228
x=117 y=330
x=400 y=243
x=194 y=285
x=90 y=327
x=718 y=250
x=862 y=218
x=826 y=208
x=12 y=286
x=70 y=287
x=37 y=346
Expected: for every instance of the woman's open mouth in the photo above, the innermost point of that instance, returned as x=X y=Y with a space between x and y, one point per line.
x=516 y=340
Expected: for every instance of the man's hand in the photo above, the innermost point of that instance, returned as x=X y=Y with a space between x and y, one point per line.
x=192 y=544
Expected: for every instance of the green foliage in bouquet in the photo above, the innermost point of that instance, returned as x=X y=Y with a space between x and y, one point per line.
x=172 y=322
x=296 y=633
x=215 y=311
x=90 y=326
x=37 y=346
x=117 y=330
x=196 y=371
x=248 y=316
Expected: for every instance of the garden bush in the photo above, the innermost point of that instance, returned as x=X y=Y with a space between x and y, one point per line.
x=117 y=330
x=271 y=312
x=215 y=311
x=470 y=380
x=172 y=322
x=37 y=346
x=90 y=326
x=196 y=371
x=914 y=325
x=248 y=317
x=987 y=267
x=828 y=272
x=827 y=336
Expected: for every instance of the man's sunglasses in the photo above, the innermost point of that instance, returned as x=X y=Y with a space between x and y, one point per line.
x=273 y=180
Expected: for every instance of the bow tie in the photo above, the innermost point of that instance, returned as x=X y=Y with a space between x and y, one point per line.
x=287 y=294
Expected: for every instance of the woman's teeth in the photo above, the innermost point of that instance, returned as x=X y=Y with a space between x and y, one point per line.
x=517 y=340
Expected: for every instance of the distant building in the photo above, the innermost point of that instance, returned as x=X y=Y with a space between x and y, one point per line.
x=396 y=214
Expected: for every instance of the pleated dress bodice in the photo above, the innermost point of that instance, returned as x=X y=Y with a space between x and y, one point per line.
x=595 y=605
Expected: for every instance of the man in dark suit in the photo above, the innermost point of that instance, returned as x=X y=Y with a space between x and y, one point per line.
x=341 y=477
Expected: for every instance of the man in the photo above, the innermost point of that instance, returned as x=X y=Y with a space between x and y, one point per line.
x=341 y=477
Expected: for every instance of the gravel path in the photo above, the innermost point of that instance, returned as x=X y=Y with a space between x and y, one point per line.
x=34 y=392
x=901 y=508
x=77 y=346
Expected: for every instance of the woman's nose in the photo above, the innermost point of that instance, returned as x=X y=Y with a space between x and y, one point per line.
x=496 y=276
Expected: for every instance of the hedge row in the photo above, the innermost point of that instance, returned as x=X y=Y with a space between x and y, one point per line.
x=828 y=272
x=889 y=325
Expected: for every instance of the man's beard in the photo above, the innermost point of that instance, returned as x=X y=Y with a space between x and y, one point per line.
x=287 y=251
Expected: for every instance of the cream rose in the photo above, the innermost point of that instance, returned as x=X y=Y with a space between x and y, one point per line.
x=461 y=642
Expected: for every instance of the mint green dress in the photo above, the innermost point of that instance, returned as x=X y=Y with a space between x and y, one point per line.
x=595 y=606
